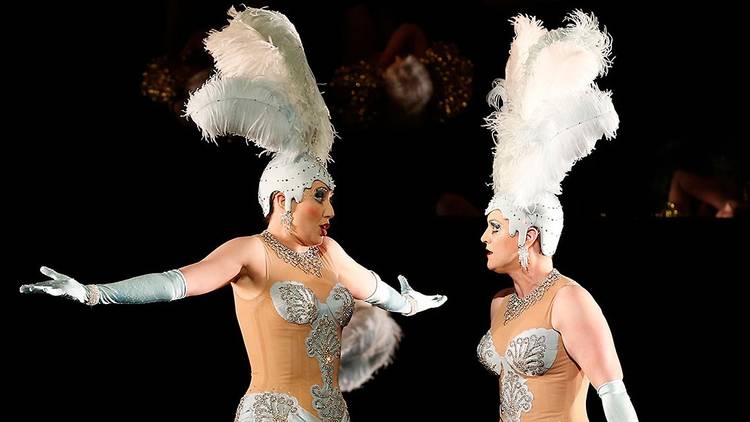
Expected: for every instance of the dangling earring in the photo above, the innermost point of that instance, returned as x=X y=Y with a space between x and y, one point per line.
x=286 y=220
x=523 y=257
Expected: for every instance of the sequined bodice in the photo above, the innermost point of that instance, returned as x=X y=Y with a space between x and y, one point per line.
x=529 y=353
x=298 y=304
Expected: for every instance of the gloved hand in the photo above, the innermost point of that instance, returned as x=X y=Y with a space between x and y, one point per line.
x=408 y=302
x=60 y=285
x=419 y=301
x=155 y=287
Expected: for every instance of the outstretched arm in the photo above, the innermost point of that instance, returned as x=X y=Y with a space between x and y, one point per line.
x=216 y=270
x=588 y=340
x=366 y=285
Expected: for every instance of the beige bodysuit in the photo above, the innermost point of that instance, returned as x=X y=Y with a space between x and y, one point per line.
x=292 y=332
x=538 y=379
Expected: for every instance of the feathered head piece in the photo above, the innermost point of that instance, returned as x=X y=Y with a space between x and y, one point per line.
x=552 y=115
x=264 y=91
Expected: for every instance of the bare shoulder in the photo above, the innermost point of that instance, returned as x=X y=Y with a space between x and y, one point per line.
x=250 y=245
x=247 y=251
x=252 y=254
x=497 y=300
x=573 y=294
x=573 y=304
x=332 y=248
x=254 y=241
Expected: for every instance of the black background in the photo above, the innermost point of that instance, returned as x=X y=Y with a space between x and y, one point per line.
x=104 y=184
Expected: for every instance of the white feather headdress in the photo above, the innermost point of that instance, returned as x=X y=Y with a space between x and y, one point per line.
x=552 y=115
x=264 y=89
x=552 y=112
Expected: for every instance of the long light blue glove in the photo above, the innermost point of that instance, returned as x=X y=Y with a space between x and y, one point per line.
x=156 y=287
x=616 y=402
x=408 y=302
